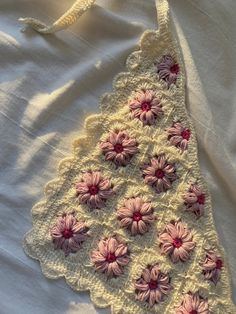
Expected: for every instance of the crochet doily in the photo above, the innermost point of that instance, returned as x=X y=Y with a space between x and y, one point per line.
x=129 y=217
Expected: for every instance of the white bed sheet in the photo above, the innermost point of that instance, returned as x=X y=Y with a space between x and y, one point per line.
x=49 y=84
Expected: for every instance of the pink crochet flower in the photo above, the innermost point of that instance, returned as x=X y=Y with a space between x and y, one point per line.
x=159 y=173
x=193 y=303
x=212 y=266
x=136 y=215
x=68 y=233
x=168 y=69
x=94 y=190
x=111 y=257
x=179 y=136
x=119 y=147
x=177 y=241
x=152 y=286
x=146 y=107
x=195 y=200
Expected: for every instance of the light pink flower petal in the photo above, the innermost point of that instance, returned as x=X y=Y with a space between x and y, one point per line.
x=143 y=296
x=148 y=218
x=146 y=275
x=123 y=261
x=167 y=248
x=126 y=222
x=152 y=297
x=146 y=209
x=81 y=187
x=134 y=228
x=121 y=249
x=103 y=247
x=114 y=269
x=155 y=272
x=141 y=286
x=142 y=227
x=112 y=245
x=171 y=230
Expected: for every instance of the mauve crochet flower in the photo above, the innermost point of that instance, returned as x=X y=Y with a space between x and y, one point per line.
x=168 y=69
x=119 y=147
x=68 y=233
x=136 y=215
x=177 y=241
x=193 y=303
x=195 y=200
x=159 y=173
x=146 y=107
x=179 y=136
x=94 y=190
x=153 y=285
x=212 y=266
x=111 y=257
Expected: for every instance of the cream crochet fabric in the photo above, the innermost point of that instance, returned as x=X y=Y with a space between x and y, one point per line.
x=129 y=217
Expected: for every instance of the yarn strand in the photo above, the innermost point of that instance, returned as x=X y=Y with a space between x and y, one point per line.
x=67 y=19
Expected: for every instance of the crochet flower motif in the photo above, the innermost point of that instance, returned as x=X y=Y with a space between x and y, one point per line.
x=193 y=303
x=94 y=190
x=195 y=200
x=177 y=241
x=159 y=173
x=136 y=215
x=119 y=147
x=152 y=286
x=68 y=233
x=212 y=266
x=146 y=107
x=111 y=257
x=168 y=69
x=179 y=136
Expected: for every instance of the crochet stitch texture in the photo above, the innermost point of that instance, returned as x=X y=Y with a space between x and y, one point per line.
x=129 y=217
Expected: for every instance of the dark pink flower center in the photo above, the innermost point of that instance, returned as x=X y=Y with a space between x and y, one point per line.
x=201 y=199
x=118 y=148
x=137 y=216
x=174 y=68
x=219 y=264
x=93 y=189
x=159 y=173
x=67 y=233
x=193 y=312
x=186 y=134
x=153 y=284
x=146 y=106
x=111 y=257
x=177 y=242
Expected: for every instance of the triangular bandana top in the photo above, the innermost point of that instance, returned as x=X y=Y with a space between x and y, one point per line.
x=129 y=218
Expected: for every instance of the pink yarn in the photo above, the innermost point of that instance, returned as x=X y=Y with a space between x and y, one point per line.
x=212 y=266
x=153 y=285
x=119 y=147
x=177 y=242
x=179 y=136
x=168 y=69
x=93 y=189
x=146 y=107
x=195 y=200
x=193 y=303
x=110 y=257
x=136 y=215
x=68 y=233
x=159 y=173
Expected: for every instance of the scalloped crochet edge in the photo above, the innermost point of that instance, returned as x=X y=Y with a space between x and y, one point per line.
x=102 y=299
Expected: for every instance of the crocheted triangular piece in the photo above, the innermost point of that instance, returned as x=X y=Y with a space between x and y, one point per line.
x=129 y=218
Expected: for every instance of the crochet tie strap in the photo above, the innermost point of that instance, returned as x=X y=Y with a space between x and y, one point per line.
x=80 y=7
